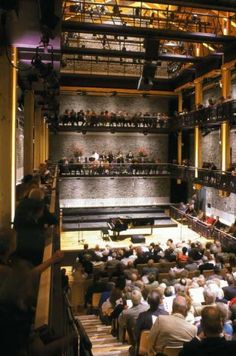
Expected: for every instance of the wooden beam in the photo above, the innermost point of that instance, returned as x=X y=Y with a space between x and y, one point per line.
x=112 y=90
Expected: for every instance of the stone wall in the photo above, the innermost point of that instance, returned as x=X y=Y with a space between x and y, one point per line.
x=117 y=191
x=62 y=144
x=225 y=208
x=211 y=148
x=212 y=93
x=233 y=145
x=115 y=103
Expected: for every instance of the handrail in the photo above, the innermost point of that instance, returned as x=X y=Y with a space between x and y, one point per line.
x=42 y=315
x=222 y=180
x=203 y=229
x=205 y=116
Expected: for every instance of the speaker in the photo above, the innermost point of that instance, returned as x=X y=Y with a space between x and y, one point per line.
x=137 y=239
x=151 y=46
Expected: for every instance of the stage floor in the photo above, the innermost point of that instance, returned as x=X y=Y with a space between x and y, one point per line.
x=70 y=241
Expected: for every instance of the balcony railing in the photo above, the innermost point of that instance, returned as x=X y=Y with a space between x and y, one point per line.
x=210 y=116
x=217 y=179
x=228 y=241
x=211 y=178
x=97 y=168
x=53 y=312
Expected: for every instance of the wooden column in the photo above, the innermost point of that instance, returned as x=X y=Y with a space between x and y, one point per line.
x=29 y=132
x=198 y=91
x=197 y=130
x=225 y=129
x=46 y=141
x=8 y=83
x=179 y=142
x=226 y=81
x=42 y=140
x=37 y=125
x=225 y=146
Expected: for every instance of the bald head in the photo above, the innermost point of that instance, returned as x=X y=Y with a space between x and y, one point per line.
x=136 y=297
x=180 y=305
x=212 y=322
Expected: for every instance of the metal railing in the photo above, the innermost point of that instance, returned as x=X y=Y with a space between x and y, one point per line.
x=228 y=241
x=218 y=179
x=209 y=116
x=97 y=168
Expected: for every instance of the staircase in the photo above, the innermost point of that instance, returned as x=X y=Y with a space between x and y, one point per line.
x=103 y=343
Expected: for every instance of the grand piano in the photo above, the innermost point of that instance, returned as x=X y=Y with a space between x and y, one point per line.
x=124 y=223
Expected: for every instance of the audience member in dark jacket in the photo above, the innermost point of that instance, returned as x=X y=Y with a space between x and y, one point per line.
x=146 y=319
x=211 y=343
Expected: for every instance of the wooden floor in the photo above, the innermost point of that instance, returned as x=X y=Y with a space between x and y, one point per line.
x=74 y=240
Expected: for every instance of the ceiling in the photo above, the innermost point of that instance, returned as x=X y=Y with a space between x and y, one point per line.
x=108 y=43
x=114 y=44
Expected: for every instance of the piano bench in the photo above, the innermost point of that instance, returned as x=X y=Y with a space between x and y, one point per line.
x=105 y=234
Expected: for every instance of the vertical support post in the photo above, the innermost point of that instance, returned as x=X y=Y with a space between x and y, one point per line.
x=37 y=120
x=42 y=140
x=197 y=130
x=29 y=132
x=225 y=146
x=46 y=141
x=226 y=81
x=225 y=129
x=179 y=139
x=8 y=83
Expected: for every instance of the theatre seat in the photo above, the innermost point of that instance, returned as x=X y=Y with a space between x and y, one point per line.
x=172 y=351
x=143 y=345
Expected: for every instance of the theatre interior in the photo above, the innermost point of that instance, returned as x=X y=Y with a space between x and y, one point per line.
x=117 y=178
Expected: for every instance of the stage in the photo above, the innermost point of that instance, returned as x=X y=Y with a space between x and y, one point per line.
x=74 y=240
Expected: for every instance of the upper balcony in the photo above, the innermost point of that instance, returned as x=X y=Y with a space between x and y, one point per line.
x=211 y=116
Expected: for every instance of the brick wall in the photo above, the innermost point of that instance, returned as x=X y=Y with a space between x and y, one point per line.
x=118 y=191
x=116 y=103
x=61 y=144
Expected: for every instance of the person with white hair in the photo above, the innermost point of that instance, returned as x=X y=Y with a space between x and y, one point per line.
x=129 y=315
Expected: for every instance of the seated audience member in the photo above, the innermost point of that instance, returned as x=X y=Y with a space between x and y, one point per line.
x=209 y=299
x=129 y=316
x=171 y=330
x=230 y=290
x=146 y=319
x=152 y=282
x=211 y=342
x=191 y=211
x=210 y=220
x=182 y=206
x=191 y=265
x=150 y=268
x=32 y=217
x=182 y=256
x=98 y=286
x=194 y=252
x=208 y=263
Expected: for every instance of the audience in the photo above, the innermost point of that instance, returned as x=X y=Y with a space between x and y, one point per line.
x=211 y=342
x=171 y=330
x=112 y=119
